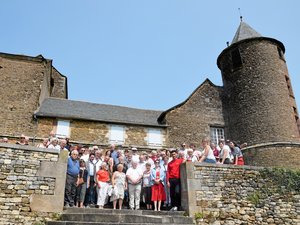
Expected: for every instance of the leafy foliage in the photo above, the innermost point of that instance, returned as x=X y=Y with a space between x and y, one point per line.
x=285 y=180
x=254 y=198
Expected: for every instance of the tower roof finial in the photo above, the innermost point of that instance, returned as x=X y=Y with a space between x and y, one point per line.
x=241 y=17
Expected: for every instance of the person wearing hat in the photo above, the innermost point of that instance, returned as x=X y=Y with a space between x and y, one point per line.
x=173 y=180
x=190 y=157
x=23 y=140
x=183 y=151
x=135 y=155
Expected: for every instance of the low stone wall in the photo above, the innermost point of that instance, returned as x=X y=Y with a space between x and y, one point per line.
x=280 y=154
x=32 y=184
x=228 y=194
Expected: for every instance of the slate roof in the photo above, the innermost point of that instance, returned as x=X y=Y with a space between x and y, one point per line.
x=69 y=109
x=243 y=32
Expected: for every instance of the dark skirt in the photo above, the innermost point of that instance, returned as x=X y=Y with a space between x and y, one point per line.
x=227 y=161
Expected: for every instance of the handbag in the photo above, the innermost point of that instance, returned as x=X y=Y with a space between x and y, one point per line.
x=115 y=191
x=80 y=181
x=109 y=190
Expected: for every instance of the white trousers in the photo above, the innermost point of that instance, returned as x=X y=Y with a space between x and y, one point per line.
x=102 y=193
x=134 y=195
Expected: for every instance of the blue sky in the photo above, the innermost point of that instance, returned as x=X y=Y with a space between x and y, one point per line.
x=142 y=54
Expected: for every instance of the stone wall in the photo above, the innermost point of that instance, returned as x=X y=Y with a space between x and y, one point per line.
x=58 y=84
x=31 y=191
x=191 y=121
x=24 y=82
x=228 y=194
x=93 y=132
x=280 y=154
x=259 y=104
x=20 y=89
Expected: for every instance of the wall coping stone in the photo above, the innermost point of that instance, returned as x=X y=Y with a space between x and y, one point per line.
x=271 y=144
x=245 y=167
x=29 y=148
x=37 y=140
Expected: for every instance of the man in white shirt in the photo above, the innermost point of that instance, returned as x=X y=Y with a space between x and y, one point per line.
x=134 y=176
x=98 y=160
x=86 y=154
x=135 y=155
x=142 y=163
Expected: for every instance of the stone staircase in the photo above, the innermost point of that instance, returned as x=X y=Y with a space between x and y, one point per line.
x=94 y=216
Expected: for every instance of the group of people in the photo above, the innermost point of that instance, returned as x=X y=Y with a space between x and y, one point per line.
x=52 y=142
x=117 y=177
x=131 y=178
x=96 y=177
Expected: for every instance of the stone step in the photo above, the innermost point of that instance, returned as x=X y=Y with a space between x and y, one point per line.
x=98 y=223
x=121 y=218
x=93 y=216
x=123 y=211
x=125 y=218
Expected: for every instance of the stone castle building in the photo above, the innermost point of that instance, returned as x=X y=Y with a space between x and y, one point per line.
x=256 y=104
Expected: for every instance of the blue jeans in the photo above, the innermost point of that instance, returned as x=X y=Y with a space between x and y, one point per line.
x=210 y=161
x=91 y=192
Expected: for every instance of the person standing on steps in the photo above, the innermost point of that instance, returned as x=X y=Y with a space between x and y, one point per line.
x=134 y=176
x=81 y=183
x=119 y=185
x=147 y=186
x=158 y=181
x=71 y=179
x=103 y=180
x=173 y=180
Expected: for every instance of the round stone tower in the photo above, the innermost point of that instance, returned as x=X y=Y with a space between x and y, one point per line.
x=259 y=104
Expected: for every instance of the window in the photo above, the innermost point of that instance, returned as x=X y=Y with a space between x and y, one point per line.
x=63 y=128
x=289 y=86
x=236 y=59
x=296 y=114
x=154 y=137
x=216 y=134
x=280 y=53
x=116 y=134
x=52 y=82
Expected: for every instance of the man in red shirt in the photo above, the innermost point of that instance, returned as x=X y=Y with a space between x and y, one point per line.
x=173 y=180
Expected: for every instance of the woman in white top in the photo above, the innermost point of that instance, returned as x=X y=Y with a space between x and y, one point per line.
x=190 y=157
x=225 y=153
x=208 y=154
x=43 y=144
x=120 y=185
x=54 y=144
x=147 y=186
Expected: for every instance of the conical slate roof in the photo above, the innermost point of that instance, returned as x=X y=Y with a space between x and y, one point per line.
x=243 y=32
